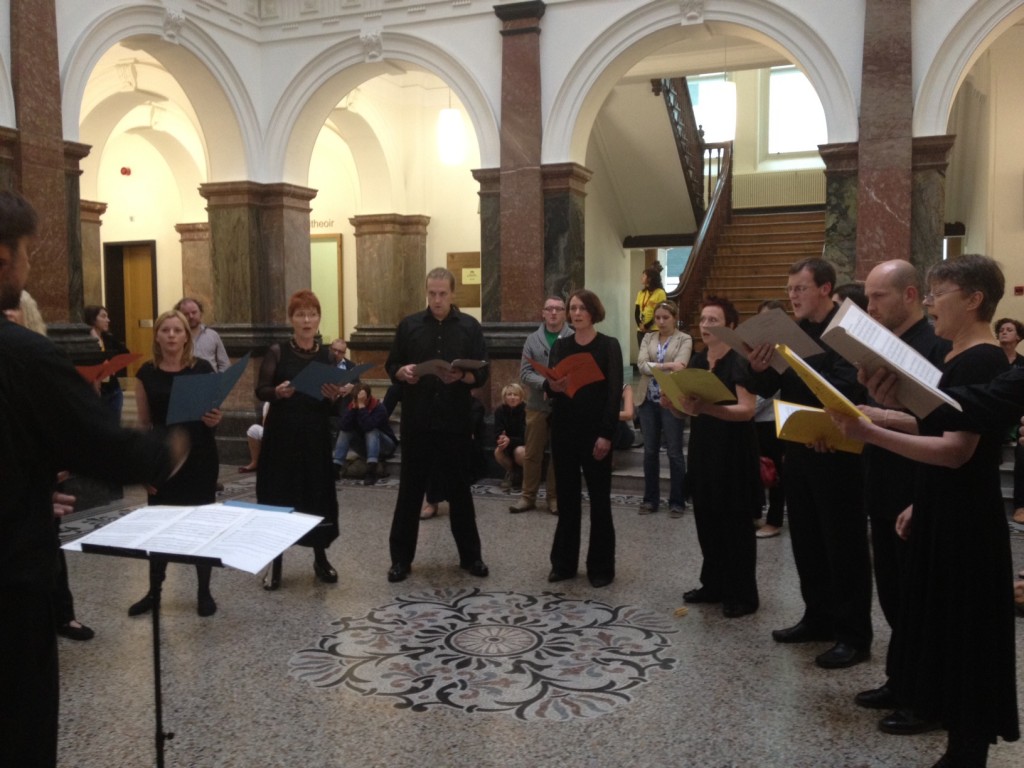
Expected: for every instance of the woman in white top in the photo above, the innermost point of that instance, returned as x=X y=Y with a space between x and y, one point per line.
x=666 y=349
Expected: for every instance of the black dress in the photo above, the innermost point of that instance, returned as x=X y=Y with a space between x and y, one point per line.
x=296 y=467
x=196 y=482
x=954 y=654
x=724 y=482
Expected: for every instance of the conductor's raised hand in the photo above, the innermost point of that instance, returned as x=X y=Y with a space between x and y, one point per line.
x=760 y=357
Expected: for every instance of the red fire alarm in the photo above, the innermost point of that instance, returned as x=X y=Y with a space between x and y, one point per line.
x=1018 y=290
x=126 y=171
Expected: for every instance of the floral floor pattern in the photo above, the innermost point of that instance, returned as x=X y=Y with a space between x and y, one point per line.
x=536 y=657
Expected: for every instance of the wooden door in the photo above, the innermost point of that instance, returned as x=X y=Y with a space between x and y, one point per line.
x=139 y=302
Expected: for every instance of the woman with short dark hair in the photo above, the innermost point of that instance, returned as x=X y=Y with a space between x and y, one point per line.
x=583 y=425
x=98 y=320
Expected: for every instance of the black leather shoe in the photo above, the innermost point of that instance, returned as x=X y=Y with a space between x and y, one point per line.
x=145 y=605
x=733 y=610
x=560 y=576
x=272 y=582
x=700 y=595
x=903 y=723
x=840 y=656
x=325 y=572
x=80 y=632
x=398 y=572
x=876 y=698
x=601 y=581
x=205 y=605
x=802 y=632
x=476 y=568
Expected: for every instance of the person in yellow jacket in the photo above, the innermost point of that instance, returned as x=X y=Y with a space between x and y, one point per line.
x=651 y=294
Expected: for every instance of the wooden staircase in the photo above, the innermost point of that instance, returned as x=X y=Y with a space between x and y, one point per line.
x=754 y=256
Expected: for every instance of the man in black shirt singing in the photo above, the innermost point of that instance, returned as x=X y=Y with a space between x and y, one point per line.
x=436 y=424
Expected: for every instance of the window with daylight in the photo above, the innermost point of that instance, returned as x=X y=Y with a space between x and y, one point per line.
x=796 y=120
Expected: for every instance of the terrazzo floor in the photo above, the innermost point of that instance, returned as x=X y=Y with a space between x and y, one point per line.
x=445 y=669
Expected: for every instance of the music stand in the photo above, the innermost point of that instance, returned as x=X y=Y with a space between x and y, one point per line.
x=155 y=586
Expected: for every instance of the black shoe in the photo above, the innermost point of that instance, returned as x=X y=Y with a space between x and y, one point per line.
x=273 y=580
x=801 y=632
x=841 y=655
x=903 y=723
x=876 y=698
x=733 y=610
x=339 y=471
x=370 y=478
x=145 y=605
x=601 y=581
x=700 y=595
x=325 y=571
x=560 y=576
x=205 y=605
x=398 y=572
x=75 y=633
x=476 y=568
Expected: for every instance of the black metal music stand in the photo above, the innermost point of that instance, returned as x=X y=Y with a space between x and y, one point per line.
x=155 y=586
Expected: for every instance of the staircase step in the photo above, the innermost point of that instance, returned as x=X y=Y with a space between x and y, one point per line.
x=775 y=247
x=741 y=236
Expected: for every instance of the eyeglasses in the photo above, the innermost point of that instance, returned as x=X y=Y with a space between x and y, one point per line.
x=797 y=289
x=307 y=315
x=930 y=298
x=554 y=309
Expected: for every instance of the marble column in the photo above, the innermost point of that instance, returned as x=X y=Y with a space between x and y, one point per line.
x=8 y=149
x=259 y=249
x=92 y=251
x=196 y=267
x=39 y=163
x=521 y=195
x=564 y=194
x=840 y=208
x=490 y=242
x=928 y=208
x=885 y=147
x=391 y=266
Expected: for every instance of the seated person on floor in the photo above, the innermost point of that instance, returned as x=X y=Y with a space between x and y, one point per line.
x=365 y=430
x=510 y=434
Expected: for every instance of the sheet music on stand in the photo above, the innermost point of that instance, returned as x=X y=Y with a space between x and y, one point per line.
x=246 y=537
x=240 y=537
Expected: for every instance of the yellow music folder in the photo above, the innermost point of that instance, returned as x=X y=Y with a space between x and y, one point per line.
x=828 y=395
x=804 y=424
x=695 y=382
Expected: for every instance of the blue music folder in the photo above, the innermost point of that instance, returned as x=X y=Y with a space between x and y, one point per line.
x=192 y=396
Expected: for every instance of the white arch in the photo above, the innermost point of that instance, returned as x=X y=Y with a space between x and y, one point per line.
x=568 y=126
x=984 y=21
x=206 y=74
x=316 y=90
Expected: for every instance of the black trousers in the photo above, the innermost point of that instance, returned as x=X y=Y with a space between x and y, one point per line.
x=573 y=454
x=828 y=531
x=29 y=682
x=443 y=461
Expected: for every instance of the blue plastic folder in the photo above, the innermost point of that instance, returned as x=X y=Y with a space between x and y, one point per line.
x=192 y=396
x=316 y=374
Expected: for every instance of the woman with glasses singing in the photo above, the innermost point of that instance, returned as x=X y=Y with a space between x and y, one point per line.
x=296 y=469
x=956 y=670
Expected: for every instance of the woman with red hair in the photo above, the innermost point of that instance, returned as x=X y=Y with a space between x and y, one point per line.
x=295 y=467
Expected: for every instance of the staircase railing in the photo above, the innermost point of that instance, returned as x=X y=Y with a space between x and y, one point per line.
x=691 y=283
x=689 y=139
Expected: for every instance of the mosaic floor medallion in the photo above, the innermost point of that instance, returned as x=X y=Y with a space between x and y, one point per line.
x=537 y=657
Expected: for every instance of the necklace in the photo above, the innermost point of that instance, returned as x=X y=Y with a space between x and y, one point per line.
x=311 y=351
